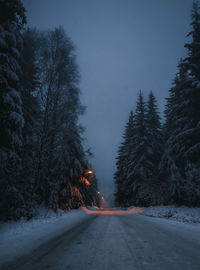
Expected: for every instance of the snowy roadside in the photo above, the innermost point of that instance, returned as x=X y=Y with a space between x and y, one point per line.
x=21 y=237
x=182 y=213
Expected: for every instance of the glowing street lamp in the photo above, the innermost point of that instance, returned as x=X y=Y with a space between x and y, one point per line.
x=89 y=173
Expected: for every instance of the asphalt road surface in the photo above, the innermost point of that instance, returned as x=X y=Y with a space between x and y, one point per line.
x=119 y=242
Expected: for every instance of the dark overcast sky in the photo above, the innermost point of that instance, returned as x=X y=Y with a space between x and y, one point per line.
x=122 y=46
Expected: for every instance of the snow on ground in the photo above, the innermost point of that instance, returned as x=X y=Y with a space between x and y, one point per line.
x=182 y=213
x=182 y=230
x=21 y=237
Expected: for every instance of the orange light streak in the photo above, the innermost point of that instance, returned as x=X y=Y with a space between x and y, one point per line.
x=129 y=211
x=105 y=209
x=85 y=181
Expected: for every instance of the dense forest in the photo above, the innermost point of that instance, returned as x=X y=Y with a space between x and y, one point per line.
x=160 y=164
x=42 y=158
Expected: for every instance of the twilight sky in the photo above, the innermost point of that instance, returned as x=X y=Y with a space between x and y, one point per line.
x=122 y=46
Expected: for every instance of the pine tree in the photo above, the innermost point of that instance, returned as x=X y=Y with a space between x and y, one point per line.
x=180 y=162
x=139 y=156
x=12 y=20
x=177 y=125
x=138 y=168
x=123 y=194
x=192 y=137
x=192 y=61
x=154 y=146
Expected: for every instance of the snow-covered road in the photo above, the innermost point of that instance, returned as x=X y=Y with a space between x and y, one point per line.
x=126 y=242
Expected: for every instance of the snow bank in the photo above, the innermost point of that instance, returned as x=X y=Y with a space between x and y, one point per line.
x=21 y=237
x=182 y=213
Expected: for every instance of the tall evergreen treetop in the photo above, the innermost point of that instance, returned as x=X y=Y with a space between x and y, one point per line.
x=138 y=163
x=122 y=193
x=193 y=59
x=182 y=128
x=153 y=127
x=129 y=133
x=140 y=117
x=153 y=118
x=12 y=14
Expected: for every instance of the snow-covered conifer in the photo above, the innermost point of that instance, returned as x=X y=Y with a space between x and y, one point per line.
x=138 y=167
x=154 y=146
x=180 y=162
x=123 y=194
x=12 y=19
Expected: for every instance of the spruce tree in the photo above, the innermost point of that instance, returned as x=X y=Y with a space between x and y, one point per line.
x=123 y=192
x=154 y=146
x=139 y=156
x=192 y=61
x=180 y=162
x=177 y=125
x=12 y=20
x=138 y=168
x=192 y=137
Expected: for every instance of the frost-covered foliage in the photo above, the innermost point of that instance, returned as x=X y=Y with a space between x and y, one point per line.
x=146 y=152
x=138 y=169
x=122 y=195
x=42 y=158
x=164 y=167
x=139 y=156
x=12 y=19
x=182 y=213
x=181 y=160
x=61 y=160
